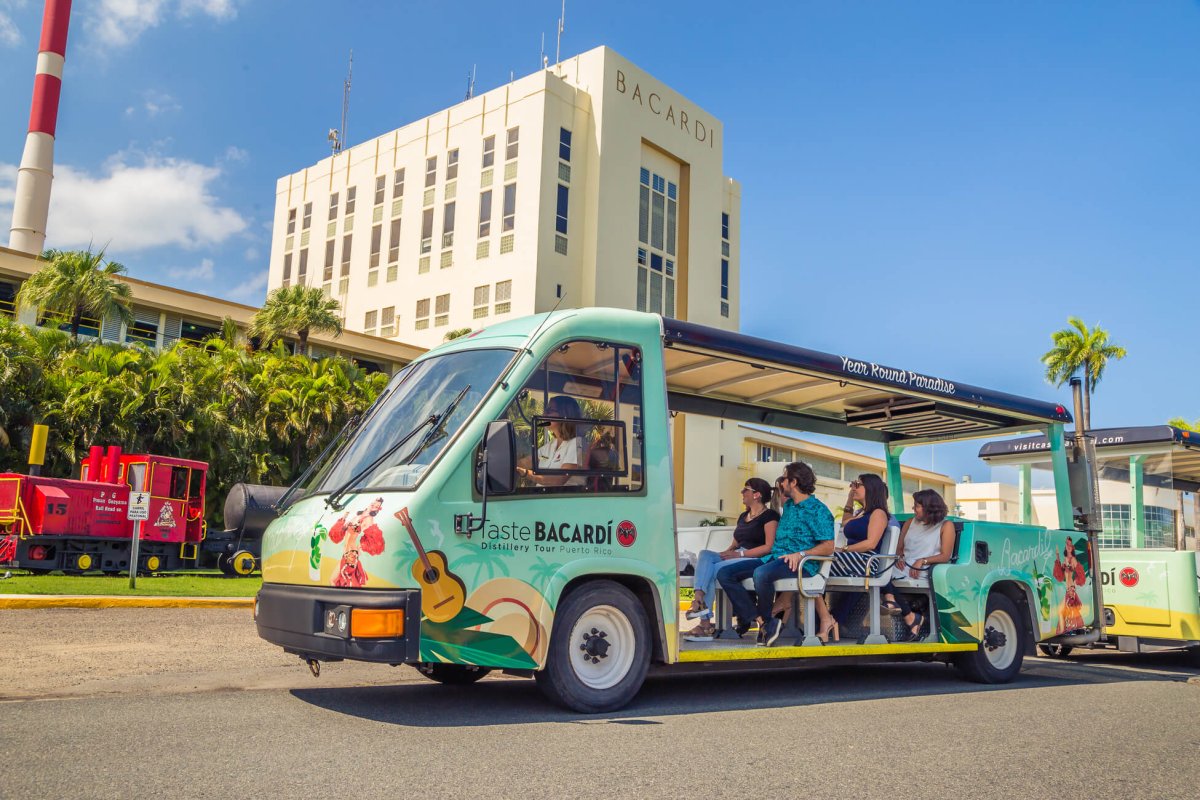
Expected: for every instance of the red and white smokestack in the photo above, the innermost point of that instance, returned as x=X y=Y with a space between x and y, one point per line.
x=31 y=208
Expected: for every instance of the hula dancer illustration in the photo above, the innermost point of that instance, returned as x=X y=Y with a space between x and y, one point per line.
x=1070 y=613
x=360 y=534
x=443 y=594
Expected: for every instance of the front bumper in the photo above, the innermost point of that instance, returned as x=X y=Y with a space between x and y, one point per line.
x=293 y=617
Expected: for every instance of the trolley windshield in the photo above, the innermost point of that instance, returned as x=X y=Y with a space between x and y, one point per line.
x=419 y=413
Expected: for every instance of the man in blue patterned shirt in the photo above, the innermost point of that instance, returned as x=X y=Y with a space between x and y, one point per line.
x=805 y=529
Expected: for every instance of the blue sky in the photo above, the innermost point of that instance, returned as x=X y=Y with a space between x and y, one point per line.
x=933 y=185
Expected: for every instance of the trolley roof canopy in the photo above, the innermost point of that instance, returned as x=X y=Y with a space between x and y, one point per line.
x=720 y=373
x=1171 y=455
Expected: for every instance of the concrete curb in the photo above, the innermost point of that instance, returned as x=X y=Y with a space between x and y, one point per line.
x=110 y=601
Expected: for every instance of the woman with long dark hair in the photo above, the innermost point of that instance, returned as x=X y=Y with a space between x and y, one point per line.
x=753 y=538
x=925 y=540
x=865 y=518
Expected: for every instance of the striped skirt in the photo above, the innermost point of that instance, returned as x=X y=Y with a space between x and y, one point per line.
x=854 y=565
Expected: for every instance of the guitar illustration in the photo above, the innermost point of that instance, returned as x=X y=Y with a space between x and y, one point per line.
x=443 y=593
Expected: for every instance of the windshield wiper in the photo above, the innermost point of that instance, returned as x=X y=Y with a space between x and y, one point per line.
x=435 y=420
x=351 y=424
x=439 y=424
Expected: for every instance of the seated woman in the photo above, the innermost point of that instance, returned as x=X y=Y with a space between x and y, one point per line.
x=864 y=530
x=925 y=540
x=564 y=449
x=805 y=529
x=753 y=538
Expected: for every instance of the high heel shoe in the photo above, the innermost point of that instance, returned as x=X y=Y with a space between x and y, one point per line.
x=824 y=634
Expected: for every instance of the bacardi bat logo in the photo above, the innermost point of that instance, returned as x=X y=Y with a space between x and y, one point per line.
x=626 y=534
x=1128 y=577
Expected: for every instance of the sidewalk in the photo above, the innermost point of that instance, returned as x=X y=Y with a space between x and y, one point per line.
x=119 y=601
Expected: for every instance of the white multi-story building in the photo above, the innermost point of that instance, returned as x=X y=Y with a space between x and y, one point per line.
x=589 y=182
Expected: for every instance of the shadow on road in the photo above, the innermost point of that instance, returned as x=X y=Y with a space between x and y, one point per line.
x=507 y=701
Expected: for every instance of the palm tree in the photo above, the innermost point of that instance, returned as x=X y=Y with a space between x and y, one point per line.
x=1183 y=424
x=1078 y=349
x=296 y=309
x=76 y=284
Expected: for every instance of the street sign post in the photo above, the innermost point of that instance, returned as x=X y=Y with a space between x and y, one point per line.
x=139 y=512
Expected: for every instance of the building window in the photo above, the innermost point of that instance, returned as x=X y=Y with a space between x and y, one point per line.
x=380 y=189
x=489 y=151
x=197 y=333
x=422 y=316
x=394 y=241
x=564 y=144
x=452 y=164
x=287 y=268
x=426 y=230
x=503 y=297
x=441 y=310
x=307 y=216
x=351 y=193
x=657 y=201
x=430 y=171
x=509 y=219
x=333 y=205
x=369 y=323
x=1160 y=527
x=346 y=255
x=725 y=226
x=376 y=244
x=143 y=329
x=387 y=322
x=510 y=150
x=482 y=297
x=448 y=225
x=291 y=228
x=724 y=279
x=485 y=214
x=329 y=248
x=725 y=265
x=302 y=270
x=560 y=216
x=398 y=184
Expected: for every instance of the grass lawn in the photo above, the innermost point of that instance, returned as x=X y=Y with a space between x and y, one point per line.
x=197 y=584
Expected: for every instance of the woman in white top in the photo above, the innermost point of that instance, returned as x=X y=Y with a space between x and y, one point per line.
x=563 y=449
x=926 y=539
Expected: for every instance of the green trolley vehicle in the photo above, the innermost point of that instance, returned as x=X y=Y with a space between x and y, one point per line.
x=447 y=529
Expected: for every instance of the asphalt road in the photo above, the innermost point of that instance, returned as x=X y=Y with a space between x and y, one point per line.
x=220 y=714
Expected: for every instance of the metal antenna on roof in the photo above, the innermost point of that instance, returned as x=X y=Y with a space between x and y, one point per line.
x=562 y=24
x=337 y=136
x=471 y=82
x=544 y=59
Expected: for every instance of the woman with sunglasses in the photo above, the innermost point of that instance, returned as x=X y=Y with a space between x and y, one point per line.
x=865 y=518
x=753 y=538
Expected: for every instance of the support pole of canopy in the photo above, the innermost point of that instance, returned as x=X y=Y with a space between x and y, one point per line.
x=895 y=480
x=1137 y=508
x=1026 y=494
x=1062 y=481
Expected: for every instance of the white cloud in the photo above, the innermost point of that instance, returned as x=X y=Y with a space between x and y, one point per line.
x=250 y=289
x=217 y=9
x=202 y=272
x=134 y=206
x=235 y=155
x=116 y=23
x=251 y=254
x=155 y=103
x=8 y=185
x=10 y=34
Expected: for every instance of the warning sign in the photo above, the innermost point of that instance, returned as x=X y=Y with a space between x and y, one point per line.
x=139 y=506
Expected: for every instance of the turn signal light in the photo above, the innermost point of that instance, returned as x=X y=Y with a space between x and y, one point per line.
x=377 y=623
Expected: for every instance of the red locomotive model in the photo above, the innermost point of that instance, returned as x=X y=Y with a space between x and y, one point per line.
x=77 y=526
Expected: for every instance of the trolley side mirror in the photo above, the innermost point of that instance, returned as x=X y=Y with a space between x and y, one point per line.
x=499 y=457
x=495 y=473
